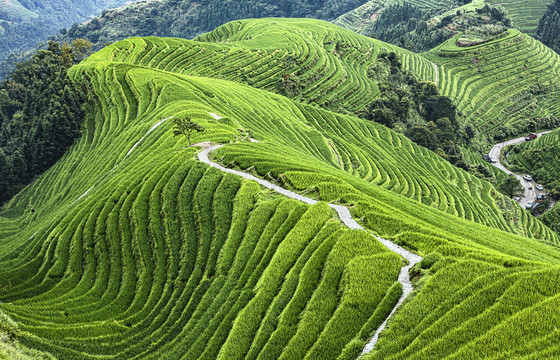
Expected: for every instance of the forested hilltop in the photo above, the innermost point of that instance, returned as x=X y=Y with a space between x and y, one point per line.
x=24 y=23
x=189 y=18
x=422 y=25
x=549 y=27
x=41 y=114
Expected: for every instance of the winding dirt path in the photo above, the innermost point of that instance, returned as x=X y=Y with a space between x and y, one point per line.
x=530 y=190
x=149 y=131
x=437 y=72
x=346 y=218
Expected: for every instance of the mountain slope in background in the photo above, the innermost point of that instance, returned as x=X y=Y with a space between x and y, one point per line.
x=25 y=23
x=187 y=19
x=505 y=87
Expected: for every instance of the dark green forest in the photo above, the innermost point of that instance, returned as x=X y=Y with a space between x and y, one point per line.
x=409 y=26
x=25 y=23
x=41 y=113
x=192 y=18
x=548 y=30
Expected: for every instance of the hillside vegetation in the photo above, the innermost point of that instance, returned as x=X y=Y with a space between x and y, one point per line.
x=548 y=30
x=362 y=18
x=331 y=80
x=525 y=14
x=188 y=18
x=137 y=250
x=505 y=87
x=25 y=23
x=540 y=159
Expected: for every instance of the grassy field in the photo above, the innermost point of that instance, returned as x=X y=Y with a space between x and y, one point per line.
x=505 y=87
x=129 y=248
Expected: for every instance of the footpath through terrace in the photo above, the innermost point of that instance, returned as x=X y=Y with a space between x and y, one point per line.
x=346 y=217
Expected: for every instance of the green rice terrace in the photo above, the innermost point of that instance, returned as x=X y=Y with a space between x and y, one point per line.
x=507 y=86
x=361 y=17
x=322 y=63
x=525 y=14
x=129 y=247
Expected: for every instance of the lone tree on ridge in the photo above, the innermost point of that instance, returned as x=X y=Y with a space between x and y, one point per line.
x=185 y=126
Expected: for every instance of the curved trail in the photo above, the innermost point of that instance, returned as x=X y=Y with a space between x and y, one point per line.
x=495 y=153
x=437 y=72
x=346 y=217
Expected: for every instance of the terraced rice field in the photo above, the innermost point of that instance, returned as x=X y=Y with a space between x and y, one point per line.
x=329 y=63
x=517 y=78
x=367 y=151
x=525 y=14
x=363 y=16
x=129 y=247
x=539 y=157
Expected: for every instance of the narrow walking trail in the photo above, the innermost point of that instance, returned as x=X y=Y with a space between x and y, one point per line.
x=437 y=72
x=530 y=191
x=346 y=218
x=149 y=131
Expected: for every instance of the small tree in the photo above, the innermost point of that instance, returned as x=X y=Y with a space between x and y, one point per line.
x=510 y=186
x=185 y=126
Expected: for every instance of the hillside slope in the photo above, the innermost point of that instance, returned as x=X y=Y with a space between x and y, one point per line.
x=131 y=248
x=504 y=87
x=549 y=27
x=540 y=159
x=335 y=81
x=25 y=23
x=524 y=14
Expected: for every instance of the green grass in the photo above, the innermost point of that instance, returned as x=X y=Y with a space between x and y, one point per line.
x=149 y=254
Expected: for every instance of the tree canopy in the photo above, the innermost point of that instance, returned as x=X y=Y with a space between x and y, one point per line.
x=185 y=126
x=41 y=112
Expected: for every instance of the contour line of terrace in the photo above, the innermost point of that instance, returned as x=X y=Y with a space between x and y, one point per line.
x=346 y=218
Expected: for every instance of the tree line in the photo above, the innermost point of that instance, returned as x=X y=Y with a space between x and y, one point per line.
x=548 y=31
x=415 y=109
x=41 y=114
x=412 y=28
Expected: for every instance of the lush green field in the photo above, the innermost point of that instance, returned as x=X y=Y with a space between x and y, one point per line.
x=525 y=14
x=130 y=248
x=505 y=87
x=368 y=151
x=327 y=64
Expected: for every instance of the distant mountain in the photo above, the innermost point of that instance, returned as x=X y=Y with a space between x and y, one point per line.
x=549 y=27
x=24 y=23
x=190 y=18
